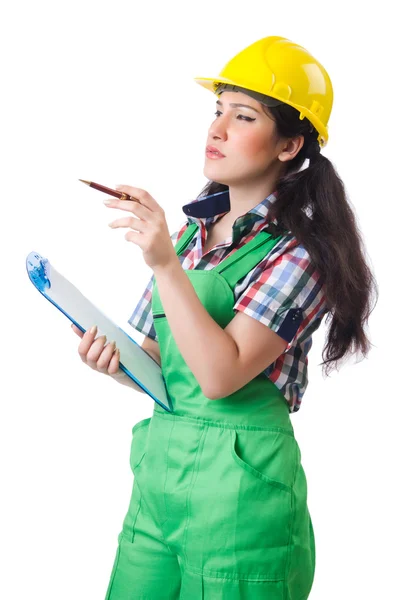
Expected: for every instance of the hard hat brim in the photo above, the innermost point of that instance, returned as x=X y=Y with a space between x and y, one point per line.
x=213 y=84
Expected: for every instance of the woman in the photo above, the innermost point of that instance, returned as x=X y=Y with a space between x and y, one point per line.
x=219 y=503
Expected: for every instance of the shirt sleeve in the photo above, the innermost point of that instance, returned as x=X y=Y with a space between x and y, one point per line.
x=142 y=317
x=287 y=295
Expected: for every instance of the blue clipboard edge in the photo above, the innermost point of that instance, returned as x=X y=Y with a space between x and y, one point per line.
x=38 y=275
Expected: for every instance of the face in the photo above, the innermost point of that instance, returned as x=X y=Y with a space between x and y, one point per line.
x=245 y=135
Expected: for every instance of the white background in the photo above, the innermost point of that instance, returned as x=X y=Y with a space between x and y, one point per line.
x=105 y=91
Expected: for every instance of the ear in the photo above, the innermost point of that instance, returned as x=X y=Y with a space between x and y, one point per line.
x=290 y=148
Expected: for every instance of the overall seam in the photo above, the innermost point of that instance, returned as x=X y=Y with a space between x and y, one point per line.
x=166 y=473
x=136 y=515
x=224 y=424
x=293 y=511
x=192 y=481
x=253 y=577
x=148 y=507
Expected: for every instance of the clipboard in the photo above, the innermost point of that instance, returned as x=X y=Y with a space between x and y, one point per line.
x=134 y=360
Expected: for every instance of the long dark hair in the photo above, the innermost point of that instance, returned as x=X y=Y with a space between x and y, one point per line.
x=312 y=204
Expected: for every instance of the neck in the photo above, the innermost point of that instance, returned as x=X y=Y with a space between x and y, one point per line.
x=248 y=194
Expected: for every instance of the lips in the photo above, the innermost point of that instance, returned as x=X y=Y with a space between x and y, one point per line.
x=215 y=150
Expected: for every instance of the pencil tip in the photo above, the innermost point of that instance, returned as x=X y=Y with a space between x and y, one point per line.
x=84 y=181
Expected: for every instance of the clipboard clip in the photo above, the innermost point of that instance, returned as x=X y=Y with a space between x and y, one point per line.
x=39 y=270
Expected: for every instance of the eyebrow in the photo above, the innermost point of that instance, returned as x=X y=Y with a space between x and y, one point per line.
x=235 y=105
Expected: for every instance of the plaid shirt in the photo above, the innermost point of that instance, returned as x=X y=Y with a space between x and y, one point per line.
x=282 y=282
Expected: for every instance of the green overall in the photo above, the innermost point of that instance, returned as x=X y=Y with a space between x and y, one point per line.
x=218 y=508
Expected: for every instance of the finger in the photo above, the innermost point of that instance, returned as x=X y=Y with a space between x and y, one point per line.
x=95 y=351
x=114 y=364
x=130 y=206
x=88 y=349
x=136 y=224
x=86 y=342
x=141 y=195
x=133 y=192
x=105 y=356
x=77 y=330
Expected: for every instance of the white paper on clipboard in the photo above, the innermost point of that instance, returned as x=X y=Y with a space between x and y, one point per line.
x=134 y=360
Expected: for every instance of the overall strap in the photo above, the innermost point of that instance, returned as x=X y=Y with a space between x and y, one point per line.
x=237 y=265
x=186 y=237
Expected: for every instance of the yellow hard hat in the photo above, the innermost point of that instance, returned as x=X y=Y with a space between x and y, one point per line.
x=281 y=71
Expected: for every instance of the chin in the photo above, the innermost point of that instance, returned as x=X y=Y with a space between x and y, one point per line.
x=213 y=173
x=216 y=179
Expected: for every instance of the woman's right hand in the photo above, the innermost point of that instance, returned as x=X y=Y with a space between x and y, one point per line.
x=94 y=353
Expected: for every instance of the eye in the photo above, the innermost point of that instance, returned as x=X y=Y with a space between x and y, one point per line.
x=218 y=112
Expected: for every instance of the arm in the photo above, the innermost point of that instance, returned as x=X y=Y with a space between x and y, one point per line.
x=152 y=348
x=204 y=345
x=222 y=360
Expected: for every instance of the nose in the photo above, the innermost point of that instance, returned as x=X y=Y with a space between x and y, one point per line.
x=218 y=129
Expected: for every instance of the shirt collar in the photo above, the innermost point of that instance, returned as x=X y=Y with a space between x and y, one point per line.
x=211 y=207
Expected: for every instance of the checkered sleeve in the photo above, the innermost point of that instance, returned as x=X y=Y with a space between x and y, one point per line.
x=142 y=317
x=287 y=295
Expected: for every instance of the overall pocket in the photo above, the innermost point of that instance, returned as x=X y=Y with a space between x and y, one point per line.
x=138 y=444
x=269 y=456
x=137 y=453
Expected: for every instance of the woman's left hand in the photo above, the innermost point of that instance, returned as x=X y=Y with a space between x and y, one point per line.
x=153 y=236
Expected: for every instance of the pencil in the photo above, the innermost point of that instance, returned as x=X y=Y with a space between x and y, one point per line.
x=110 y=191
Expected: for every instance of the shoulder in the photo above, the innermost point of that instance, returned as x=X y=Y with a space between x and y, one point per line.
x=287 y=264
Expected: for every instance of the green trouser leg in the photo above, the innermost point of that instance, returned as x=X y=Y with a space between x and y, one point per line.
x=143 y=567
x=208 y=519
